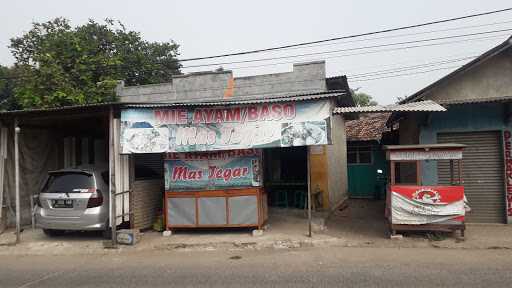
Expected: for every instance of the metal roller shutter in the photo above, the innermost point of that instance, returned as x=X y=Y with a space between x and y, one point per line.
x=148 y=166
x=482 y=174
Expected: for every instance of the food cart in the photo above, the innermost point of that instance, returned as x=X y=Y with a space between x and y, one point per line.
x=413 y=206
x=214 y=189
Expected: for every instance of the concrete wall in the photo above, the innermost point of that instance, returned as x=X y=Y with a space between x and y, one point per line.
x=408 y=129
x=491 y=79
x=305 y=78
x=460 y=118
x=337 y=162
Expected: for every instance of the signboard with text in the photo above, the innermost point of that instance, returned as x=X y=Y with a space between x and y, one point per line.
x=507 y=145
x=427 y=204
x=157 y=130
x=212 y=170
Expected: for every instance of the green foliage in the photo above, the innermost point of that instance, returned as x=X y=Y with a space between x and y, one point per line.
x=362 y=99
x=7 y=84
x=63 y=65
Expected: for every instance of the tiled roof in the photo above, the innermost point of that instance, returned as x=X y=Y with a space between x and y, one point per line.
x=420 y=106
x=367 y=127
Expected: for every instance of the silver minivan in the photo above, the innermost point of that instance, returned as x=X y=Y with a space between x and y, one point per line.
x=73 y=199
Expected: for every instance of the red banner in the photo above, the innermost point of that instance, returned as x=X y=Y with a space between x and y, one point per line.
x=507 y=143
x=427 y=204
x=431 y=194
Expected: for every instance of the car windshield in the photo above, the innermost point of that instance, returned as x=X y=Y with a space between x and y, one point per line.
x=67 y=182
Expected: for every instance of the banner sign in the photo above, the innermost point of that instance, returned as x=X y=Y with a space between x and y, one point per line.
x=425 y=155
x=212 y=170
x=427 y=204
x=507 y=144
x=284 y=124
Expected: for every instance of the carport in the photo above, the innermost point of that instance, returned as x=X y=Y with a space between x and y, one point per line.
x=34 y=142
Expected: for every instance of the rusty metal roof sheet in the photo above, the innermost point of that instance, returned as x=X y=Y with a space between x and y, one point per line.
x=209 y=102
x=420 y=106
x=476 y=100
x=244 y=100
x=74 y=108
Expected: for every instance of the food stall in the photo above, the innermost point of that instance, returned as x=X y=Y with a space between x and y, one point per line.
x=413 y=206
x=214 y=189
x=213 y=153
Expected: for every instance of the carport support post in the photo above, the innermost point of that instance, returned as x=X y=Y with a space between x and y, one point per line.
x=309 y=194
x=17 y=178
x=112 y=188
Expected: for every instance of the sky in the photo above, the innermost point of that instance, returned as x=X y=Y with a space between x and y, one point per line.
x=204 y=28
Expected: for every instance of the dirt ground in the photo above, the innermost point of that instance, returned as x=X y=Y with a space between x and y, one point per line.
x=361 y=224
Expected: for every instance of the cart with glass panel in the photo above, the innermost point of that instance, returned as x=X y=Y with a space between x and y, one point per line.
x=410 y=205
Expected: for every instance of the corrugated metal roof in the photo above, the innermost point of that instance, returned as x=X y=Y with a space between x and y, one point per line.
x=64 y=108
x=209 y=102
x=476 y=100
x=421 y=106
x=244 y=100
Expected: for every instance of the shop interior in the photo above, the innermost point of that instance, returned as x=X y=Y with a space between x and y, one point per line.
x=285 y=176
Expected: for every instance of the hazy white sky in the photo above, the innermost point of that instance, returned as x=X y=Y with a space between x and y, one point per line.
x=213 y=27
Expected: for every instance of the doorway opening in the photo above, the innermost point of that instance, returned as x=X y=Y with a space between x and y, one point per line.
x=286 y=176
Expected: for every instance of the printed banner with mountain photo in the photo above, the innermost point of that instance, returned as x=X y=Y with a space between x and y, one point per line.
x=157 y=130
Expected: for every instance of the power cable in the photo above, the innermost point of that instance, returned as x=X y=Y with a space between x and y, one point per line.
x=406 y=74
x=349 y=49
x=370 y=52
x=403 y=35
x=405 y=68
x=120 y=68
x=348 y=36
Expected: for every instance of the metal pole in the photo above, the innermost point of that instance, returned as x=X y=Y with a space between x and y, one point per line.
x=32 y=214
x=3 y=157
x=17 y=179
x=112 y=191
x=309 y=194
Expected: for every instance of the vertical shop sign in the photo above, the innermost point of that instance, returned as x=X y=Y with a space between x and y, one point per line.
x=507 y=144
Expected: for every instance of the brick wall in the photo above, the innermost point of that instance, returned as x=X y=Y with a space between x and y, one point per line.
x=147 y=199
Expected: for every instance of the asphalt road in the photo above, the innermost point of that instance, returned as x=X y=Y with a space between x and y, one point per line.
x=314 y=267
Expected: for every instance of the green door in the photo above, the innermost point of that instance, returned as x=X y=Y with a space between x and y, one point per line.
x=363 y=179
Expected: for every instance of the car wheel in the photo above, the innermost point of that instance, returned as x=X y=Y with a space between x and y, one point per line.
x=53 y=233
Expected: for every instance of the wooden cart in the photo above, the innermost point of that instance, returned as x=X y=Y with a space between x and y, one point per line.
x=410 y=205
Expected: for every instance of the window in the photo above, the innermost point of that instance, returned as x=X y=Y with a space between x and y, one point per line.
x=67 y=182
x=359 y=155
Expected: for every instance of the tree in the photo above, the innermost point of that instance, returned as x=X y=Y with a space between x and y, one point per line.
x=61 y=65
x=362 y=99
x=7 y=83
